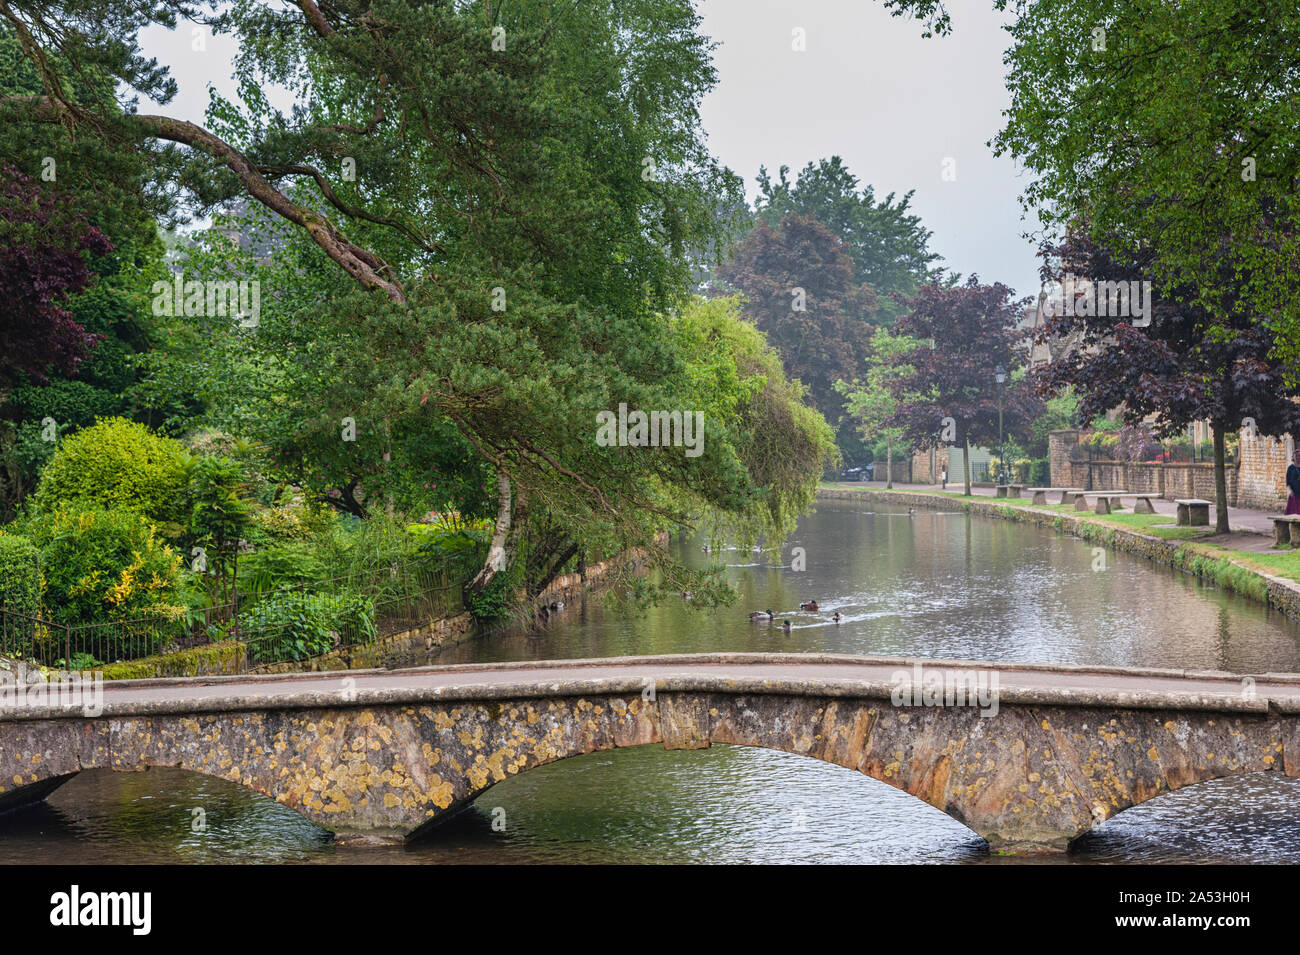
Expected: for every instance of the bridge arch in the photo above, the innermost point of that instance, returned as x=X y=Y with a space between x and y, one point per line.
x=1031 y=779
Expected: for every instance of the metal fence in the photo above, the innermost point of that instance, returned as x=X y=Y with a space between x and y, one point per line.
x=368 y=605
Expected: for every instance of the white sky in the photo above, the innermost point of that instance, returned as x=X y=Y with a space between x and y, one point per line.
x=868 y=88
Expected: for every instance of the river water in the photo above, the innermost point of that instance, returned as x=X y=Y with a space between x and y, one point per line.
x=936 y=584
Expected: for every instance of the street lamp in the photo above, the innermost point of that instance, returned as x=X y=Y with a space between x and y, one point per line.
x=1000 y=376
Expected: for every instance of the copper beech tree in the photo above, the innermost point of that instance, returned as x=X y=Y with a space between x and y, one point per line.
x=951 y=396
x=1188 y=364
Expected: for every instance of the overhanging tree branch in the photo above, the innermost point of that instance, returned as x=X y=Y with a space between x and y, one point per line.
x=364 y=266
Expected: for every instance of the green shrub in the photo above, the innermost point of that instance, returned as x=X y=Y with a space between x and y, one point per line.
x=294 y=626
x=116 y=464
x=460 y=545
x=1040 y=472
x=72 y=403
x=102 y=565
x=494 y=602
x=218 y=516
x=20 y=575
x=295 y=521
x=268 y=569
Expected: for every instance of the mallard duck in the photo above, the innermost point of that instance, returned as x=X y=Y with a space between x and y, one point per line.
x=808 y=605
x=836 y=617
x=786 y=626
x=761 y=615
x=911 y=512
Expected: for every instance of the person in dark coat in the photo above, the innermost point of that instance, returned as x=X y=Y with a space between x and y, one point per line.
x=1293 y=484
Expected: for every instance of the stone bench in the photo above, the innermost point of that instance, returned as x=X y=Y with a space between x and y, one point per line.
x=1103 y=507
x=1040 y=493
x=1105 y=499
x=1008 y=490
x=1286 y=530
x=1193 y=512
x=1142 y=503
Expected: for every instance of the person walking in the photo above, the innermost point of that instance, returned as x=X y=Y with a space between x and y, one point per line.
x=1293 y=484
x=945 y=477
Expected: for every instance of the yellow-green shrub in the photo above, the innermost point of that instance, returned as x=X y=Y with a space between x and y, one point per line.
x=102 y=564
x=20 y=575
x=116 y=464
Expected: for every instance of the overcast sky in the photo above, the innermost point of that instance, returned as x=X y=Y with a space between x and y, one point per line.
x=867 y=87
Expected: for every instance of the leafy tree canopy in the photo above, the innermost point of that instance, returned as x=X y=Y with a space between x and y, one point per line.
x=887 y=242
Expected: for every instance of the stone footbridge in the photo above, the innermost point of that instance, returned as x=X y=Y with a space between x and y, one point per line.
x=378 y=756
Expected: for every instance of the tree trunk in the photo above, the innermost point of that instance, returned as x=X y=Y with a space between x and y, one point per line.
x=496 y=557
x=1220 y=483
x=889 y=463
x=346 y=502
x=966 y=465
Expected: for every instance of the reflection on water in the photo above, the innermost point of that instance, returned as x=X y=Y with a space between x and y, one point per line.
x=935 y=584
x=938 y=585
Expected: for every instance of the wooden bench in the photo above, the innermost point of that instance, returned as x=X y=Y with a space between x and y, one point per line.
x=1193 y=512
x=1008 y=490
x=1040 y=493
x=1286 y=530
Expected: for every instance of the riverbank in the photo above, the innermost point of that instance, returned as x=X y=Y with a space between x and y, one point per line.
x=404 y=648
x=1266 y=575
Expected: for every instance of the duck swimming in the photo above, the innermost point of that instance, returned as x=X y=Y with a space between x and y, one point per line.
x=836 y=617
x=761 y=615
x=786 y=626
x=808 y=605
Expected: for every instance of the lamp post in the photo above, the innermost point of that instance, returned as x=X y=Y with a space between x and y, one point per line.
x=1000 y=376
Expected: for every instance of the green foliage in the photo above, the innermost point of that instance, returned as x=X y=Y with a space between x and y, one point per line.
x=69 y=402
x=20 y=575
x=103 y=564
x=494 y=602
x=219 y=516
x=116 y=464
x=530 y=177
x=459 y=544
x=873 y=399
x=888 y=244
x=293 y=626
x=762 y=418
x=1060 y=412
x=294 y=521
x=79 y=661
x=1040 y=472
x=290 y=563
x=1150 y=135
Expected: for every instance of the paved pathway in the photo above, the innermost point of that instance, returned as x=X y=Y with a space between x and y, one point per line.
x=1246 y=524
